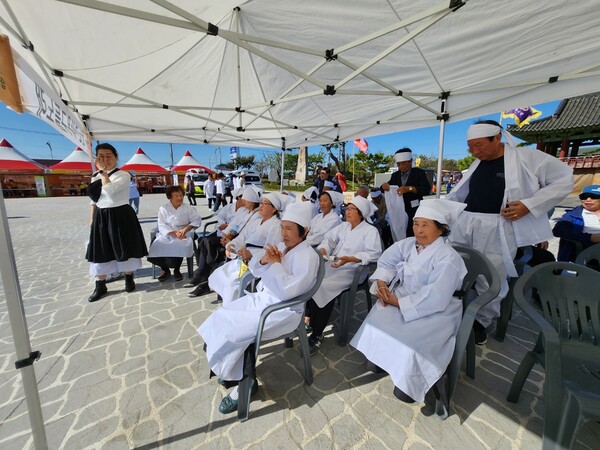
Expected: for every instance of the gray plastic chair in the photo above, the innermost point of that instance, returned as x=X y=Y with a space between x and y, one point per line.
x=477 y=265
x=506 y=305
x=348 y=297
x=246 y=383
x=567 y=347
x=590 y=257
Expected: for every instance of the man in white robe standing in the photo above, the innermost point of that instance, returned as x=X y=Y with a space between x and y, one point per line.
x=508 y=191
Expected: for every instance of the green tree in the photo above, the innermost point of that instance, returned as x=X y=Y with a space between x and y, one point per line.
x=463 y=164
x=244 y=162
x=272 y=161
x=365 y=166
x=339 y=160
x=314 y=160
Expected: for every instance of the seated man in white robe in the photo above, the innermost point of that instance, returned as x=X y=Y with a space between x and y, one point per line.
x=410 y=332
x=286 y=271
x=176 y=223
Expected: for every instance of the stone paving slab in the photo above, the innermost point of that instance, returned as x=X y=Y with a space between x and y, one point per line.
x=129 y=371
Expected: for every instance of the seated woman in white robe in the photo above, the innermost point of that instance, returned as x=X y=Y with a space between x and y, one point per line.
x=224 y=280
x=411 y=331
x=286 y=271
x=227 y=214
x=327 y=219
x=349 y=245
x=176 y=224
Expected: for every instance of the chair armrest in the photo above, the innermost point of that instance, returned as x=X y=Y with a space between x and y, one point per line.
x=244 y=282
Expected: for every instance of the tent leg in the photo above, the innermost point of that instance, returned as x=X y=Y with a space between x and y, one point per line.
x=18 y=324
x=282 y=167
x=438 y=186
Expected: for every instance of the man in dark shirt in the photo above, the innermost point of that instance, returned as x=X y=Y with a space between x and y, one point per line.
x=324 y=175
x=412 y=184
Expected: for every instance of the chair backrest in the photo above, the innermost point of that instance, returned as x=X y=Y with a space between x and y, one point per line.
x=570 y=299
x=590 y=257
x=477 y=265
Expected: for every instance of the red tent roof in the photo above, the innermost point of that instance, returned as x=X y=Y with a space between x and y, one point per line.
x=77 y=162
x=188 y=162
x=141 y=163
x=11 y=160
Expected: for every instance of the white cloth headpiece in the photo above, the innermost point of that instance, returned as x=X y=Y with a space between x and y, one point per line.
x=480 y=130
x=329 y=184
x=308 y=194
x=251 y=194
x=237 y=192
x=300 y=213
x=443 y=211
x=375 y=194
x=336 y=198
x=363 y=205
x=275 y=199
x=402 y=156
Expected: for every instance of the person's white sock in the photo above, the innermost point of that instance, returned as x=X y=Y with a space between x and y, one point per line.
x=234 y=393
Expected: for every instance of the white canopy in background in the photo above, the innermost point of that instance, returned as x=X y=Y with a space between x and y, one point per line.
x=256 y=72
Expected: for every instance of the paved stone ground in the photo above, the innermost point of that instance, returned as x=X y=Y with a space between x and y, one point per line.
x=129 y=371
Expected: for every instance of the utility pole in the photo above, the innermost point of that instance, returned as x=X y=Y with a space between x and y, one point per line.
x=51 y=155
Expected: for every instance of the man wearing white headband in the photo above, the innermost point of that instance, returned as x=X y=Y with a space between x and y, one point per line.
x=508 y=191
x=411 y=183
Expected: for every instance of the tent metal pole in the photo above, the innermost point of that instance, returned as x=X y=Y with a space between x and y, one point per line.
x=18 y=324
x=282 y=163
x=443 y=117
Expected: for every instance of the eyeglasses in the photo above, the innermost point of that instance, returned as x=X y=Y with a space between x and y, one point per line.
x=351 y=208
x=586 y=196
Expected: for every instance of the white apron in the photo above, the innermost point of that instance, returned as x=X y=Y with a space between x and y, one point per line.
x=232 y=328
x=414 y=343
x=363 y=242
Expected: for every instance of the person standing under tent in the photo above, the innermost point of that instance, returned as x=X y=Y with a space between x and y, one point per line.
x=508 y=191
x=209 y=189
x=116 y=239
x=412 y=183
x=190 y=189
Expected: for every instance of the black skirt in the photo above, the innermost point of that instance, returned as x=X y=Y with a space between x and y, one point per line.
x=116 y=235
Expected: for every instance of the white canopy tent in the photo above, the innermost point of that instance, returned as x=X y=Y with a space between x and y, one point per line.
x=282 y=74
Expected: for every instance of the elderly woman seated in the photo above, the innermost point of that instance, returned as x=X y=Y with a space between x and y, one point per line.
x=580 y=225
x=176 y=222
x=286 y=271
x=262 y=229
x=327 y=219
x=410 y=332
x=353 y=243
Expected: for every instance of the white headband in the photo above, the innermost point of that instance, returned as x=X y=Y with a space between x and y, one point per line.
x=480 y=130
x=375 y=194
x=404 y=156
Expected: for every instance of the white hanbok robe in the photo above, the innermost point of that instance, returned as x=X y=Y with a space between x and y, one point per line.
x=225 y=279
x=209 y=188
x=362 y=242
x=169 y=220
x=320 y=224
x=533 y=177
x=235 y=222
x=414 y=343
x=232 y=328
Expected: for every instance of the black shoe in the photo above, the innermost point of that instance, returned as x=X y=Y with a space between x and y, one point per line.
x=99 y=292
x=195 y=282
x=314 y=344
x=200 y=290
x=164 y=275
x=178 y=275
x=480 y=333
x=129 y=283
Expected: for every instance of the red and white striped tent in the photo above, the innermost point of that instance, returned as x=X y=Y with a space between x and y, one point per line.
x=78 y=162
x=13 y=161
x=140 y=163
x=188 y=162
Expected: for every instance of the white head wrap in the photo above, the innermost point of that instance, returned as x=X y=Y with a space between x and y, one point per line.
x=375 y=194
x=363 y=205
x=480 y=130
x=275 y=199
x=237 y=192
x=251 y=194
x=308 y=194
x=443 y=211
x=403 y=156
x=336 y=198
x=300 y=213
x=287 y=198
x=329 y=184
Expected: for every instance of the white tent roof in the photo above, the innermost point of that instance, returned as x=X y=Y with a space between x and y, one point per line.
x=254 y=73
x=77 y=161
x=140 y=162
x=13 y=161
x=186 y=162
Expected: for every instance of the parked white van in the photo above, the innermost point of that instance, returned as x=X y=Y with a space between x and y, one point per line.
x=199 y=176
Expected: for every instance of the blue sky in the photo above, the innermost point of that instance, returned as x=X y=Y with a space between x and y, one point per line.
x=29 y=135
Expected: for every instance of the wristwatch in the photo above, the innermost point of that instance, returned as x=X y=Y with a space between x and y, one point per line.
x=101 y=172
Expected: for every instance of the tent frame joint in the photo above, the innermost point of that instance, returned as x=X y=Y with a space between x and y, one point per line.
x=444 y=95
x=57 y=73
x=329 y=90
x=456 y=4
x=330 y=55
x=212 y=30
x=443 y=117
x=33 y=357
x=553 y=79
